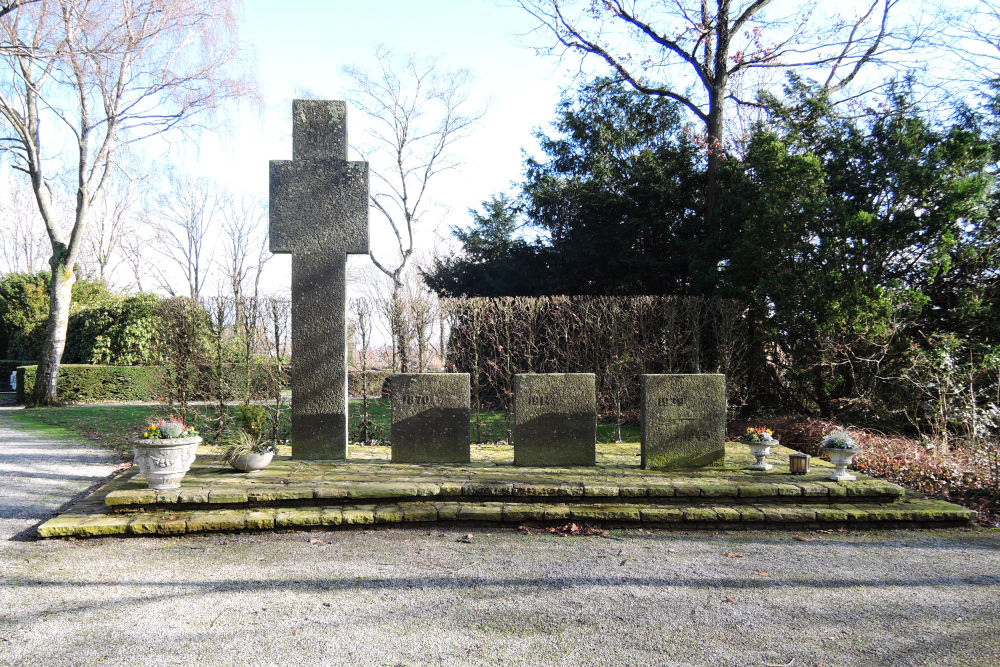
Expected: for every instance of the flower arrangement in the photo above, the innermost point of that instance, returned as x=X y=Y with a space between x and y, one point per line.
x=168 y=429
x=839 y=439
x=758 y=434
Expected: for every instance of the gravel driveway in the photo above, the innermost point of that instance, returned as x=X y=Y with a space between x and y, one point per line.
x=419 y=596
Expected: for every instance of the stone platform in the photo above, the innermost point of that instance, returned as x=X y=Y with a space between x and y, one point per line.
x=367 y=489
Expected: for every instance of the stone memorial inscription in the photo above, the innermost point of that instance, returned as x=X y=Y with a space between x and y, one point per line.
x=430 y=418
x=683 y=420
x=555 y=419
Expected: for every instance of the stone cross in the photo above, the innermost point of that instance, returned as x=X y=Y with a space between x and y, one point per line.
x=319 y=214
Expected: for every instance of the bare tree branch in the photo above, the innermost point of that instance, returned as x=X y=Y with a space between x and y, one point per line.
x=418 y=111
x=83 y=79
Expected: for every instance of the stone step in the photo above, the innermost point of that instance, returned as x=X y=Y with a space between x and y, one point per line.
x=90 y=520
x=207 y=488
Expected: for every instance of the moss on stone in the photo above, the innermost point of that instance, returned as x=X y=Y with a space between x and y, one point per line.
x=610 y=512
x=298 y=517
x=65 y=525
x=600 y=489
x=812 y=489
x=699 y=514
x=388 y=514
x=755 y=490
x=487 y=489
x=535 y=490
x=193 y=496
x=660 y=490
x=726 y=513
x=447 y=511
x=571 y=490
x=330 y=491
x=262 y=519
x=416 y=512
x=450 y=488
x=130 y=497
x=145 y=524
x=168 y=497
x=390 y=489
x=557 y=512
x=830 y=514
x=99 y=526
x=481 y=512
x=662 y=514
x=632 y=490
x=515 y=512
x=232 y=495
x=750 y=513
x=718 y=489
x=216 y=520
x=358 y=515
x=276 y=493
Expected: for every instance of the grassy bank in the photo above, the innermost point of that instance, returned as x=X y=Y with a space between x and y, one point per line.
x=112 y=426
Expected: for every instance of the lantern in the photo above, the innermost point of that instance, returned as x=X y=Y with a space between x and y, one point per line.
x=798 y=464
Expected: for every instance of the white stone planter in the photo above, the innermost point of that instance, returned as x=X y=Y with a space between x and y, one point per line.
x=250 y=462
x=164 y=462
x=760 y=451
x=841 y=458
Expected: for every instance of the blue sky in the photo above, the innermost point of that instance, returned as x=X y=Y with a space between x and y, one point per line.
x=301 y=50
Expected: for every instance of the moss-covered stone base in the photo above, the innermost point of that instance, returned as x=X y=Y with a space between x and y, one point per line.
x=310 y=495
x=910 y=512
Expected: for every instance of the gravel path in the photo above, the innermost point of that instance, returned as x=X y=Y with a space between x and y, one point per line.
x=431 y=596
x=40 y=473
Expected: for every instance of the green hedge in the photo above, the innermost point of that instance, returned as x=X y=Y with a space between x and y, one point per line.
x=82 y=383
x=87 y=383
x=377 y=383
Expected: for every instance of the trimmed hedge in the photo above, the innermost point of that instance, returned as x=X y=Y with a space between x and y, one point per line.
x=378 y=384
x=8 y=366
x=82 y=383
x=90 y=383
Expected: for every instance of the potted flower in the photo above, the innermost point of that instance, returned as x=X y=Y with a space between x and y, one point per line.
x=841 y=448
x=247 y=452
x=760 y=441
x=165 y=451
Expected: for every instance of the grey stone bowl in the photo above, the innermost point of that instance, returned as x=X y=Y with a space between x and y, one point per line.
x=164 y=462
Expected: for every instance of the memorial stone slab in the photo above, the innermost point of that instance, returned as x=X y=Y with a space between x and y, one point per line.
x=319 y=214
x=683 y=421
x=430 y=418
x=555 y=419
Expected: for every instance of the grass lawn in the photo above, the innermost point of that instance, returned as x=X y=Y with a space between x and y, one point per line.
x=112 y=426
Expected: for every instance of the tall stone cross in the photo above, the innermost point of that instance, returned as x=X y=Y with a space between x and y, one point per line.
x=319 y=214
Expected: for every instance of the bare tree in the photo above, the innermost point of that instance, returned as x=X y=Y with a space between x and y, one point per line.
x=244 y=236
x=418 y=112
x=695 y=52
x=81 y=80
x=183 y=215
x=114 y=222
x=22 y=234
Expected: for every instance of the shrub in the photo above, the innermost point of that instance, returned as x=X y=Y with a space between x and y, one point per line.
x=377 y=383
x=80 y=383
x=120 y=331
x=86 y=383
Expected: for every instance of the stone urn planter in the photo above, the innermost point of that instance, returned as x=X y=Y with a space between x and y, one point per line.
x=760 y=450
x=251 y=461
x=165 y=461
x=759 y=440
x=841 y=458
